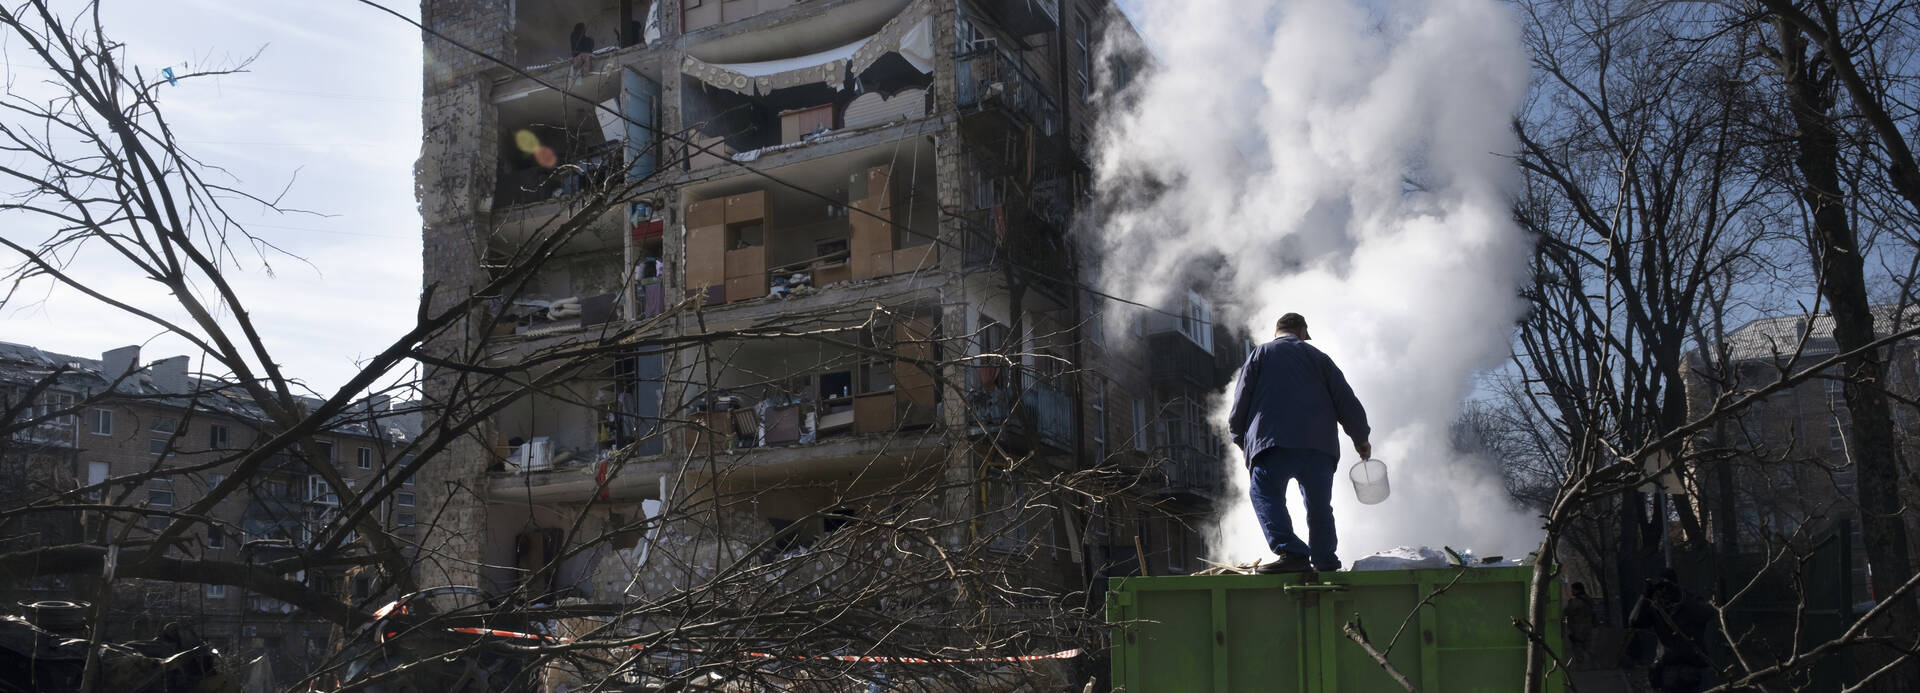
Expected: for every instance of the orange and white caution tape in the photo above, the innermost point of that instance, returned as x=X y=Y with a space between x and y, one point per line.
x=1063 y=654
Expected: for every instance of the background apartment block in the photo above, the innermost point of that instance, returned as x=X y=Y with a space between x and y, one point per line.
x=1790 y=476
x=911 y=172
x=154 y=438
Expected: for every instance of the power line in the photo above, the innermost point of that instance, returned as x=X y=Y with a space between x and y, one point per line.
x=218 y=86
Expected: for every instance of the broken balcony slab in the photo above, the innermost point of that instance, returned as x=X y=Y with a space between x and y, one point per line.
x=836 y=459
x=845 y=297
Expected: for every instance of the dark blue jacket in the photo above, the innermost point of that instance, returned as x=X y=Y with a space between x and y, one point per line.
x=1289 y=396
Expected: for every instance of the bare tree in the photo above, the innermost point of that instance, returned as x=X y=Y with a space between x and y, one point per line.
x=1669 y=187
x=886 y=567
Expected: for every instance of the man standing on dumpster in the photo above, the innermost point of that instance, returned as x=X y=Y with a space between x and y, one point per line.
x=1285 y=406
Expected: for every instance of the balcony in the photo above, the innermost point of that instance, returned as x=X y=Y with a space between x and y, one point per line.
x=1011 y=232
x=786 y=392
x=1052 y=413
x=1177 y=361
x=1025 y=17
x=588 y=168
x=544 y=32
x=1184 y=470
x=552 y=144
x=51 y=434
x=609 y=408
x=746 y=244
x=990 y=81
x=1042 y=408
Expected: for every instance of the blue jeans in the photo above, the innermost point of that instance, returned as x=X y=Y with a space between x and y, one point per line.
x=1314 y=469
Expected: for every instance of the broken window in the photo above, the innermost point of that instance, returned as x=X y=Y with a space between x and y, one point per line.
x=553 y=144
x=1197 y=321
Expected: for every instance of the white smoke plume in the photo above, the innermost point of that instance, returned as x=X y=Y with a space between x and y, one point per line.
x=1347 y=160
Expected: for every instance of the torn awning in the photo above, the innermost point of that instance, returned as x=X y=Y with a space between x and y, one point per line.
x=908 y=34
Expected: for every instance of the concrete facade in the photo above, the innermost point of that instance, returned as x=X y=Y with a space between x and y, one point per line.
x=154 y=441
x=1784 y=474
x=849 y=227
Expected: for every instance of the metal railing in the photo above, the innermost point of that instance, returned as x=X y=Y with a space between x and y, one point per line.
x=48 y=433
x=1185 y=469
x=1026 y=16
x=1052 y=413
x=992 y=79
x=1045 y=408
x=1177 y=360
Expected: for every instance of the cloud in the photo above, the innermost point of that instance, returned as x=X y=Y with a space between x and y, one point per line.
x=330 y=107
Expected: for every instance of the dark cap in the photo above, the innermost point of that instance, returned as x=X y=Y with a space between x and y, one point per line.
x=1291 y=322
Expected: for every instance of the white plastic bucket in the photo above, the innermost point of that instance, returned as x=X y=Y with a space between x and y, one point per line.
x=1369 y=481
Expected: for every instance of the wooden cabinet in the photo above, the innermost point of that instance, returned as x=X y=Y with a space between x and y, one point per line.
x=746 y=273
x=747 y=206
x=869 y=239
x=880 y=187
x=710 y=431
x=783 y=424
x=796 y=124
x=912 y=382
x=873 y=413
x=706 y=257
x=827 y=275
x=871 y=234
x=726 y=246
x=747 y=262
x=881 y=264
x=919 y=258
x=707 y=213
x=746 y=288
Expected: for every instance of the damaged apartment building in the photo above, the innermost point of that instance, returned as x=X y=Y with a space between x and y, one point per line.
x=869 y=205
x=154 y=439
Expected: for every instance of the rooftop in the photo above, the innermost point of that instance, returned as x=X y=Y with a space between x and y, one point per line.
x=1782 y=337
x=163 y=383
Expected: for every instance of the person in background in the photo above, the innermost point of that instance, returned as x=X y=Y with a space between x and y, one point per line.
x=582 y=46
x=1580 y=618
x=1678 y=620
x=1285 y=405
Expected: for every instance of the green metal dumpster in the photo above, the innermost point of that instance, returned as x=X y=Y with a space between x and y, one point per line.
x=1284 y=632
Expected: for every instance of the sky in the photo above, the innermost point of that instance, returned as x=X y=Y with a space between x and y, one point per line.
x=329 y=111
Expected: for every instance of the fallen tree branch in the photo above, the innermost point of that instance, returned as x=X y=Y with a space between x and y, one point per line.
x=89 y=559
x=1358 y=634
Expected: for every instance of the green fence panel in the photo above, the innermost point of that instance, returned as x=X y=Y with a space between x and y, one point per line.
x=1444 y=630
